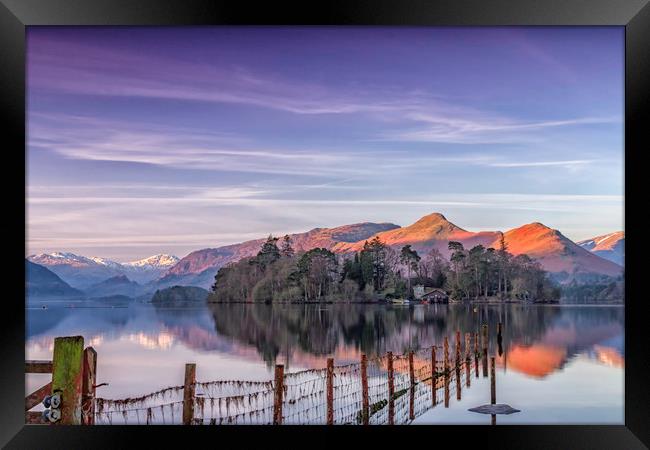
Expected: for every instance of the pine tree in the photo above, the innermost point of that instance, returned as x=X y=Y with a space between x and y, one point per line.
x=287 y=249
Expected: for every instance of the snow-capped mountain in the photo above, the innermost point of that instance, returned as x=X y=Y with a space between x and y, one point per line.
x=161 y=261
x=83 y=272
x=609 y=246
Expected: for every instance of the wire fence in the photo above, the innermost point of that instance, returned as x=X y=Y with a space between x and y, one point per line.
x=387 y=389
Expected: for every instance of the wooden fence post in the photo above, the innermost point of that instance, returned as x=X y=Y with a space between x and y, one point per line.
x=330 y=391
x=457 y=364
x=365 y=406
x=434 y=376
x=446 y=381
x=484 y=330
x=279 y=391
x=446 y=355
x=493 y=388
x=499 y=339
x=88 y=386
x=446 y=369
x=411 y=387
x=468 y=369
x=391 y=390
x=493 y=383
x=67 y=368
x=188 y=393
x=458 y=387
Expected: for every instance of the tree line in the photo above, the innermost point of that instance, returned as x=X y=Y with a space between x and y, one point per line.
x=279 y=273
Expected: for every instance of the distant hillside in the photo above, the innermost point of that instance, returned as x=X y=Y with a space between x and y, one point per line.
x=41 y=282
x=609 y=246
x=179 y=296
x=117 y=285
x=199 y=267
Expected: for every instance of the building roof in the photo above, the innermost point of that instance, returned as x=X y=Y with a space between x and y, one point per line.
x=435 y=291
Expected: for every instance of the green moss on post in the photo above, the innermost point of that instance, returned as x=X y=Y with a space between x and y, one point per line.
x=67 y=377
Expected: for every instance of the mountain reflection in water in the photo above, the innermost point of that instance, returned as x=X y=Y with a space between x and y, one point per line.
x=537 y=340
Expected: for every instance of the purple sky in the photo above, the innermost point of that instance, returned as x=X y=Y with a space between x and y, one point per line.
x=150 y=140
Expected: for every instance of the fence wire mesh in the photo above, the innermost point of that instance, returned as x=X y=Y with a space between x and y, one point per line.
x=419 y=382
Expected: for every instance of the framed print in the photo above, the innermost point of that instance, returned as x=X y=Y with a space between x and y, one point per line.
x=277 y=220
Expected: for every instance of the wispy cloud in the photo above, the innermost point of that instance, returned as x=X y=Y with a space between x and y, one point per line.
x=483 y=128
x=568 y=163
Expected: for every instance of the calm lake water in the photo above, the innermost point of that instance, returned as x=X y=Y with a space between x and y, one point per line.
x=558 y=364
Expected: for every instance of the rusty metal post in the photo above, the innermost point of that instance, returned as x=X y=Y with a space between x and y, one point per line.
x=88 y=386
x=365 y=406
x=391 y=390
x=67 y=368
x=188 y=393
x=279 y=391
x=330 y=391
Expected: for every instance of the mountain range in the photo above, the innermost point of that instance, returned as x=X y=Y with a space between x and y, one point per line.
x=609 y=246
x=84 y=272
x=550 y=247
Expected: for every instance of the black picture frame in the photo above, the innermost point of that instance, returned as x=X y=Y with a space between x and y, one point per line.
x=634 y=15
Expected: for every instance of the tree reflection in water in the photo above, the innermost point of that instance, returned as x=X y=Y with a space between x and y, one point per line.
x=281 y=331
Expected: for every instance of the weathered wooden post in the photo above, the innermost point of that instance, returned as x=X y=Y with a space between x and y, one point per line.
x=446 y=355
x=88 y=386
x=499 y=339
x=493 y=382
x=330 y=391
x=411 y=387
x=457 y=348
x=446 y=381
x=434 y=376
x=493 y=388
x=484 y=337
x=484 y=330
x=476 y=354
x=365 y=406
x=468 y=369
x=67 y=374
x=188 y=393
x=279 y=390
x=391 y=390
x=457 y=364
x=446 y=369
x=458 y=387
